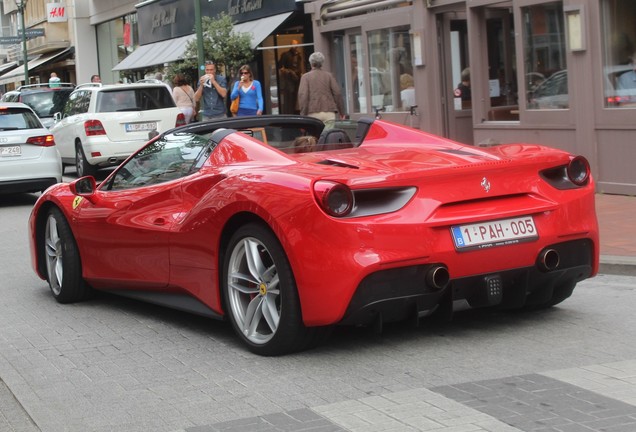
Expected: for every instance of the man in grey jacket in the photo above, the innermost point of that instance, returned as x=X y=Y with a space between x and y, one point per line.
x=319 y=95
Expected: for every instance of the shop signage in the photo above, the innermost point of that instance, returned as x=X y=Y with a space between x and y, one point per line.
x=56 y=12
x=167 y=19
x=247 y=10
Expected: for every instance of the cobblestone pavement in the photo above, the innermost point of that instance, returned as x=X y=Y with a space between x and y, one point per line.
x=113 y=364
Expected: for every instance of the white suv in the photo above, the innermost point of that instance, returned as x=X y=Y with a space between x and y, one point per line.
x=101 y=125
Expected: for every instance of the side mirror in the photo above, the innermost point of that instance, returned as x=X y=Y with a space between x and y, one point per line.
x=84 y=187
x=57 y=117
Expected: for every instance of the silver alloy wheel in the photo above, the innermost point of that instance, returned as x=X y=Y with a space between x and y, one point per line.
x=54 y=255
x=253 y=290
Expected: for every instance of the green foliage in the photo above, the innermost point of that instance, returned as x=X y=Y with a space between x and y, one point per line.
x=228 y=50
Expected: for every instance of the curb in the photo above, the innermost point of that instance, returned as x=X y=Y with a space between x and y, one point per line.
x=617 y=265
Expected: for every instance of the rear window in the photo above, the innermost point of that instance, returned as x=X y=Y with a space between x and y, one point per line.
x=46 y=103
x=18 y=118
x=134 y=99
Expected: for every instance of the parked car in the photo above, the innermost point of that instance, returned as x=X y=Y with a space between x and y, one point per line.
x=101 y=125
x=287 y=230
x=45 y=100
x=29 y=160
x=553 y=92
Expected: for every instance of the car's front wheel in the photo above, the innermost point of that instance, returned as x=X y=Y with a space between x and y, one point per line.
x=260 y=293
x=83 y=168
x=63 y=265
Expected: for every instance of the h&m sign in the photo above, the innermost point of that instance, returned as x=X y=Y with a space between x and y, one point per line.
x=56 y=12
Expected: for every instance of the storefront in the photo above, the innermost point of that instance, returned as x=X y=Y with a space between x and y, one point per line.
x=158 y=33
x=551 y=72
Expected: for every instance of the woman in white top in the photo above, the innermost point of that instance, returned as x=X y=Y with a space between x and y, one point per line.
x=183 y=95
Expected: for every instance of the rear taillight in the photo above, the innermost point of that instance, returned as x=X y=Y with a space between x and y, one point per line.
x=42 y=140
x=578 y=171
x=334 y=198
x=94 y=127
x=180 y=120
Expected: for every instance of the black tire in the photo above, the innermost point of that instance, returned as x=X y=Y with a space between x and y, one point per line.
x=260 y=294
x=82 y=167
x=63 y=264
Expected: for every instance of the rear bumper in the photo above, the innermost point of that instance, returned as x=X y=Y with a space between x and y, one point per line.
x=401 y=293
x=28 y=185
x=103 y=152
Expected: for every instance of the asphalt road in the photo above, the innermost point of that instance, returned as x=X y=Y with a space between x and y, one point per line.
x=114 y=364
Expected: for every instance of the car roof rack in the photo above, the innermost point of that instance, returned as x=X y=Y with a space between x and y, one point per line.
x=89 y=84
x=149 y=80
x=46 y=85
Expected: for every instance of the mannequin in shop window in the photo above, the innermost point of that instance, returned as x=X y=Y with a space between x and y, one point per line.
x=292 y=67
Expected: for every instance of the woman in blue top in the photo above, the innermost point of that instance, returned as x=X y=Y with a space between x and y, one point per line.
x=249 y=92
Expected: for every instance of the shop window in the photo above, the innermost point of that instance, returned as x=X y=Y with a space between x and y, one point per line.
x=619 y=53
x=546 y=75
x=389 y=66
x=358 y=92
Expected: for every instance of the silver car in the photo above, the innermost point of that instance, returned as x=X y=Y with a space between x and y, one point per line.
x=29 y=160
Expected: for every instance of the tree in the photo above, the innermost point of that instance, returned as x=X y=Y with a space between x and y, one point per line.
x=228 y=49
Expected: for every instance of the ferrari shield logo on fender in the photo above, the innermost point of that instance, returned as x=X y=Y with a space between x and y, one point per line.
x=76 y=201
x=485 y=184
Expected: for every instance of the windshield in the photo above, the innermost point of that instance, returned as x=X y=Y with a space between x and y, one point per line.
x=134 y=99
x=169 y=158
x=18 y=118
x=46 y=103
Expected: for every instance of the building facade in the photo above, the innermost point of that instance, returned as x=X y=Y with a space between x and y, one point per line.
x=486 y=72
x=49 y=42
x=138 y=39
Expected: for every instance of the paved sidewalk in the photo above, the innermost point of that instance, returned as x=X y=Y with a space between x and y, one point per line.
x=617 y=232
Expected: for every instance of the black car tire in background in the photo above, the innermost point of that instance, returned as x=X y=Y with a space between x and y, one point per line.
x=83 y=168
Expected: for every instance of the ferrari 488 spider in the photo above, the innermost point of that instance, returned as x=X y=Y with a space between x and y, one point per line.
x=287 y=229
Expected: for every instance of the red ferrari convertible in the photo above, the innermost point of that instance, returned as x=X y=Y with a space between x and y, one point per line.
x=287 y=229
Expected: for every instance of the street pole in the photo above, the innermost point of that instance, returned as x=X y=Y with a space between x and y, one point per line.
x=199 y=33
x=21 y=4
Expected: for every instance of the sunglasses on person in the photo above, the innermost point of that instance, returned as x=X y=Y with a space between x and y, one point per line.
x=244 y=73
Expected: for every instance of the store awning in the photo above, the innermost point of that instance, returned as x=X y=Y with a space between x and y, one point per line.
x=171 y=50
x=261 y=28
x=7 y=66
x=17 y=74
x=166 y=51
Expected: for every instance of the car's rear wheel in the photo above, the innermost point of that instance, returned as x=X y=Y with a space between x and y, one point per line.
x=260 y=293
x=83 y=168
x=63 y=265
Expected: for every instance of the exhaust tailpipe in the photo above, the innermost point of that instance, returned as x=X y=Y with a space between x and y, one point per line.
x=549 y=260
x=437 y=277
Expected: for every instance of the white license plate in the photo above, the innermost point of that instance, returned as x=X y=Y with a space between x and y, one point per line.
x=137 y=127
x=494 y=233
x=10 y=151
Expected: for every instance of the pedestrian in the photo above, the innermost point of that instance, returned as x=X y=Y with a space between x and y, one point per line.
x=183 y=95
x=213 y=90
x=319 y=94
x=96 y=79
x=54 y=80
x=249 y=92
